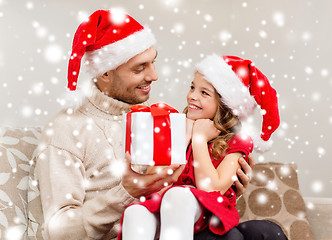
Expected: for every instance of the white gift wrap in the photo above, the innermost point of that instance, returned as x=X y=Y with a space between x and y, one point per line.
x=142 y=138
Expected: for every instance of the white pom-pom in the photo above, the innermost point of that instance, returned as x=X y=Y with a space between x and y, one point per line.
x=72 y=100
x=260 y=145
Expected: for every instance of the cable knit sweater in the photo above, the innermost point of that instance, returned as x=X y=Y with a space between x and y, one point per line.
x=78 y=163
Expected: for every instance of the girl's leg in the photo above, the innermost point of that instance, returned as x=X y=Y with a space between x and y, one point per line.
x=178 y=213
x=139 y=224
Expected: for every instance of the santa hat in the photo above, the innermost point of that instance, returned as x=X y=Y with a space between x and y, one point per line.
x=242 y=87
x=108 y=39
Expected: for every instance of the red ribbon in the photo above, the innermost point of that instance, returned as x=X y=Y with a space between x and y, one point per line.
x=161 y=131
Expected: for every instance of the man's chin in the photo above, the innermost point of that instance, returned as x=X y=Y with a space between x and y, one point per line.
x=138 y=100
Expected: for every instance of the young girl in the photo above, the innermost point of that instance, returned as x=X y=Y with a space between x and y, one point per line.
x=224 y=92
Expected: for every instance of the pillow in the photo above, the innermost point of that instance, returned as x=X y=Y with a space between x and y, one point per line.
x=17 y=146
x=273 y=194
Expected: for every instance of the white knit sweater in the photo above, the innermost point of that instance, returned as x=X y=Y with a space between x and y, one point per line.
x=77 y=166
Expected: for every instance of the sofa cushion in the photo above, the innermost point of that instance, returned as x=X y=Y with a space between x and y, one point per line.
x=36 y=217
x=273 y=194
x=17 y=146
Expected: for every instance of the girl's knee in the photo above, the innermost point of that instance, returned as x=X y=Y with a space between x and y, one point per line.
x=139 y=215
x=179 y=198
x=139 y=223
x=179 y=194
x=135 y=211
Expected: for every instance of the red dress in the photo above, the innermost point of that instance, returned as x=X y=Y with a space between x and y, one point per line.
x=219 y=212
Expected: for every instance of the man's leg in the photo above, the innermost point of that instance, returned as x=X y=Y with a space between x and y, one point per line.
x=261 y=230
x=139 y=224
x=206 y=234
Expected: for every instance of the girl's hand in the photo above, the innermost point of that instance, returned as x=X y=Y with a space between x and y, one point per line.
x=204 y=130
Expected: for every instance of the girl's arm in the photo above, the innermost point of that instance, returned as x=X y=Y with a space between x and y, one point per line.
x=210 y=179
x=206 y=176
x=189 y=130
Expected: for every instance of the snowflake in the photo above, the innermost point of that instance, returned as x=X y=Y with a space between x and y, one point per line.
x=53 y=53
x=279 y=19
x=317 y=186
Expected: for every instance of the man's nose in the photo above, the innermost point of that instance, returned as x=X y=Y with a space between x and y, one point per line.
x=151 y=74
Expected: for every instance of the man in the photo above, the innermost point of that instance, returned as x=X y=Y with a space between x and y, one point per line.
x=84 y=185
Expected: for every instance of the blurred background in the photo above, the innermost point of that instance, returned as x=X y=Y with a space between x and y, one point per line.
x=289 y=41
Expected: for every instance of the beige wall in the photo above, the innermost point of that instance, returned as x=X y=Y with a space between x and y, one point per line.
x=290 y=41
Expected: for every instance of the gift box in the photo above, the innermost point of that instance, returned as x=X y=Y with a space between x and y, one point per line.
x=155 y=135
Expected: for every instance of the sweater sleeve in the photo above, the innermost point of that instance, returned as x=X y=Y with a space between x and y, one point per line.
x=240 y=143
x=62 y=186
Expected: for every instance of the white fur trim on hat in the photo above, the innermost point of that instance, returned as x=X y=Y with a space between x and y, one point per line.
x=113 y=55
x=233 y=92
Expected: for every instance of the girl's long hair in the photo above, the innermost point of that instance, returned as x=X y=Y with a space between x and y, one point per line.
x=228 y=124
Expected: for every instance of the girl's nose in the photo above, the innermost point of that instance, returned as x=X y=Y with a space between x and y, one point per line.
x=192 y=95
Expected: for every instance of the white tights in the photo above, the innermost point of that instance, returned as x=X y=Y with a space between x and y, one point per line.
x=178 y=213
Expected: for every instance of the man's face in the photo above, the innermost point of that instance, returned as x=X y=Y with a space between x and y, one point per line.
x=131 y=81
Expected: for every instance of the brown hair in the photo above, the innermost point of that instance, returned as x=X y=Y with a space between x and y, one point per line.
x=228 y=124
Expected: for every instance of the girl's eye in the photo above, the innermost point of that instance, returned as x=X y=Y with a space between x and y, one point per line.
x=205 y=93
x=192 y=87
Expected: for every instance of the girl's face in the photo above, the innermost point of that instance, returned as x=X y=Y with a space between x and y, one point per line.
x=201 y=99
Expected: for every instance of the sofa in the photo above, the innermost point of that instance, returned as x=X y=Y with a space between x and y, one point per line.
x=273 y=194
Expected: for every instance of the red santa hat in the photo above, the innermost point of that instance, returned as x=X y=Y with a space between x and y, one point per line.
x=108 y=39
x=242 y=87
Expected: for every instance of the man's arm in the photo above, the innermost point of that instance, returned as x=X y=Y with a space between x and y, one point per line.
x=67 y=213
x=60 y=183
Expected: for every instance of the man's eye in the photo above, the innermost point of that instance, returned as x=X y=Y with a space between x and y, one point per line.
x=138 y=70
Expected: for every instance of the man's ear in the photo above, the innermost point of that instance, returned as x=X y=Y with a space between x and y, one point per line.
x=103 y=81
x=106 y=77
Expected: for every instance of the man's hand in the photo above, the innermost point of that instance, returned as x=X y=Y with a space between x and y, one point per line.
x=244 y=175
x=138 y=185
